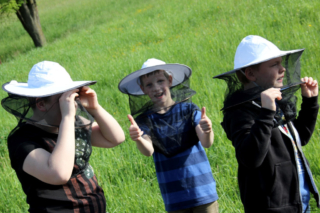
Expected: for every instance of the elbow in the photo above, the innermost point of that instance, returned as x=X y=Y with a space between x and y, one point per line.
x=59 y=178
x=119 y=139
x=147 y=153
x=250 y=163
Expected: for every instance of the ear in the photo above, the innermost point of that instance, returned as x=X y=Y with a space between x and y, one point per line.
x=142 y=88
x=250 y=74
x=170 y=80
x=41 y=105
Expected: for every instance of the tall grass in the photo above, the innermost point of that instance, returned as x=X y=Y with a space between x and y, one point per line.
x=106 y=40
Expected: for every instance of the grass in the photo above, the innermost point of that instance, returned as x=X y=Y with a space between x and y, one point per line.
x=106 y=40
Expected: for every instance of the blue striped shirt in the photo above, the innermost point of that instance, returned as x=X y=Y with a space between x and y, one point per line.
x=185 y=180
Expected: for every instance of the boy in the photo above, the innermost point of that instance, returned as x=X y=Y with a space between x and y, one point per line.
x=170 y=131
x=51 y=146
x=260 y=120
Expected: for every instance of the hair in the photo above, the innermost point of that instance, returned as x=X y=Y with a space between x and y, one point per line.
x=165 y=73
x=33 y=101
x=241 y=73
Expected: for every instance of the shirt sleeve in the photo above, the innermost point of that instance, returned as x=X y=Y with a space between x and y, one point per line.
x=143 y=126
x=197 y=117
x=19 y=153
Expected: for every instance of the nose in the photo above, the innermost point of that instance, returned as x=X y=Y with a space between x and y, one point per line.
x=156 y=87
x=282 y=69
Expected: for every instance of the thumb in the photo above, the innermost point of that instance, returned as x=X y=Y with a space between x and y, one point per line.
x=203 y=112
x=131 y=119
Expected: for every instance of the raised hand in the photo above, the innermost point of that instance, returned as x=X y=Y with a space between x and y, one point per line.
x=205 y=122
x=67 y=103
x=134 y=130
x=269 y=96
x=88 y=98
x=309 y=88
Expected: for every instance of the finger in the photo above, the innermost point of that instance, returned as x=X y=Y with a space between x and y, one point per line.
x=279 y=96
x=131 y=119
x=315 y=83
x=203 y=112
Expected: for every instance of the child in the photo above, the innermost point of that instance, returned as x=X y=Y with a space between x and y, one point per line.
x=169 y=128
x=51 y=145
x=260 y=120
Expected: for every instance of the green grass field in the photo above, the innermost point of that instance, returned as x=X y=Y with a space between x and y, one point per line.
x=106 y=40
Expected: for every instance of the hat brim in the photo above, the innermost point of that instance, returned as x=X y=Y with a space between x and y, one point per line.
x=129 y=84
x=258 y=61
x=22 y=89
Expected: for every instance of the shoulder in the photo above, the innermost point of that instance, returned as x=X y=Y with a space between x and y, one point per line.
x=239 y=115
x=22 y=140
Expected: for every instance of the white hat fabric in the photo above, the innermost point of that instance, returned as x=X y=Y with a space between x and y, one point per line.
x=130 y=83
x=45 y=78
x=253 y=50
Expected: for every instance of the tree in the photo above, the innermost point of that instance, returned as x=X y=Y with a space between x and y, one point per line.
x=27 y=12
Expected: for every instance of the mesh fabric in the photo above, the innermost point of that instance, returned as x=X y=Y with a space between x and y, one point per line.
x=235 y=93
x=22 y=109
x=176 y=125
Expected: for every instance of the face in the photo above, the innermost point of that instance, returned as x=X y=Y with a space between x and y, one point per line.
x=270 y=73
x=52 y=110
x=157 y=87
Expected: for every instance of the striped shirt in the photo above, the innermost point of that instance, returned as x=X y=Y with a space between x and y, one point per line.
x=185 y=180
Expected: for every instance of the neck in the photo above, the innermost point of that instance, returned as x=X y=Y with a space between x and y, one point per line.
x=163 y=108
x=43 y=124
x=250 y=85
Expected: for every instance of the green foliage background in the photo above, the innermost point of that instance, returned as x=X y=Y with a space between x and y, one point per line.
x=106 y=40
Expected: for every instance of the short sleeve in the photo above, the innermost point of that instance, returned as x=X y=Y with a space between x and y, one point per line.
x=19 y=153
x=143 y=126
x=197 y=117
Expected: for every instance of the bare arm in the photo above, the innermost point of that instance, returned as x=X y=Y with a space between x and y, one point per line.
x=204 y=130
x=56 y=168
x=144 y=143
x=106 y=131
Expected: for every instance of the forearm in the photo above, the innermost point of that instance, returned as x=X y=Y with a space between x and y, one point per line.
x=108 y=126
x=250 y=135
x=306 y=121
x=206 y=139
x=145 y=146
x=61 y=161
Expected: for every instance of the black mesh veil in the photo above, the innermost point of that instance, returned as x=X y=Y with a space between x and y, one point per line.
x=235 y=93
x=173 y=131
x=23 y=109
x=142 y=103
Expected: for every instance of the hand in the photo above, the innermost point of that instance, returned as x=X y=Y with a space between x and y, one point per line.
x=88 y=98
x=135 y=132
x=309 y=88
x=205 y=122
x=269 y=96
x=67 y=103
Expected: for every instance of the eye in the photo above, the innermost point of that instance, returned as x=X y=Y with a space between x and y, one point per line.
x=148 y=85
x=160 y=81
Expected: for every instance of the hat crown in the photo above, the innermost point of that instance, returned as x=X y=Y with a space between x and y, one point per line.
x=47 y=73
x=152 y=62
x=253 y=50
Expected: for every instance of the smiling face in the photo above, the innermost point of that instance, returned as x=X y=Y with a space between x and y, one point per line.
x=157 y=86
x=268 y=74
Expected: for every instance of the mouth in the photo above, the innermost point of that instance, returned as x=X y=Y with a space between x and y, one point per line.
x=158 y=95
x=280 y=79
